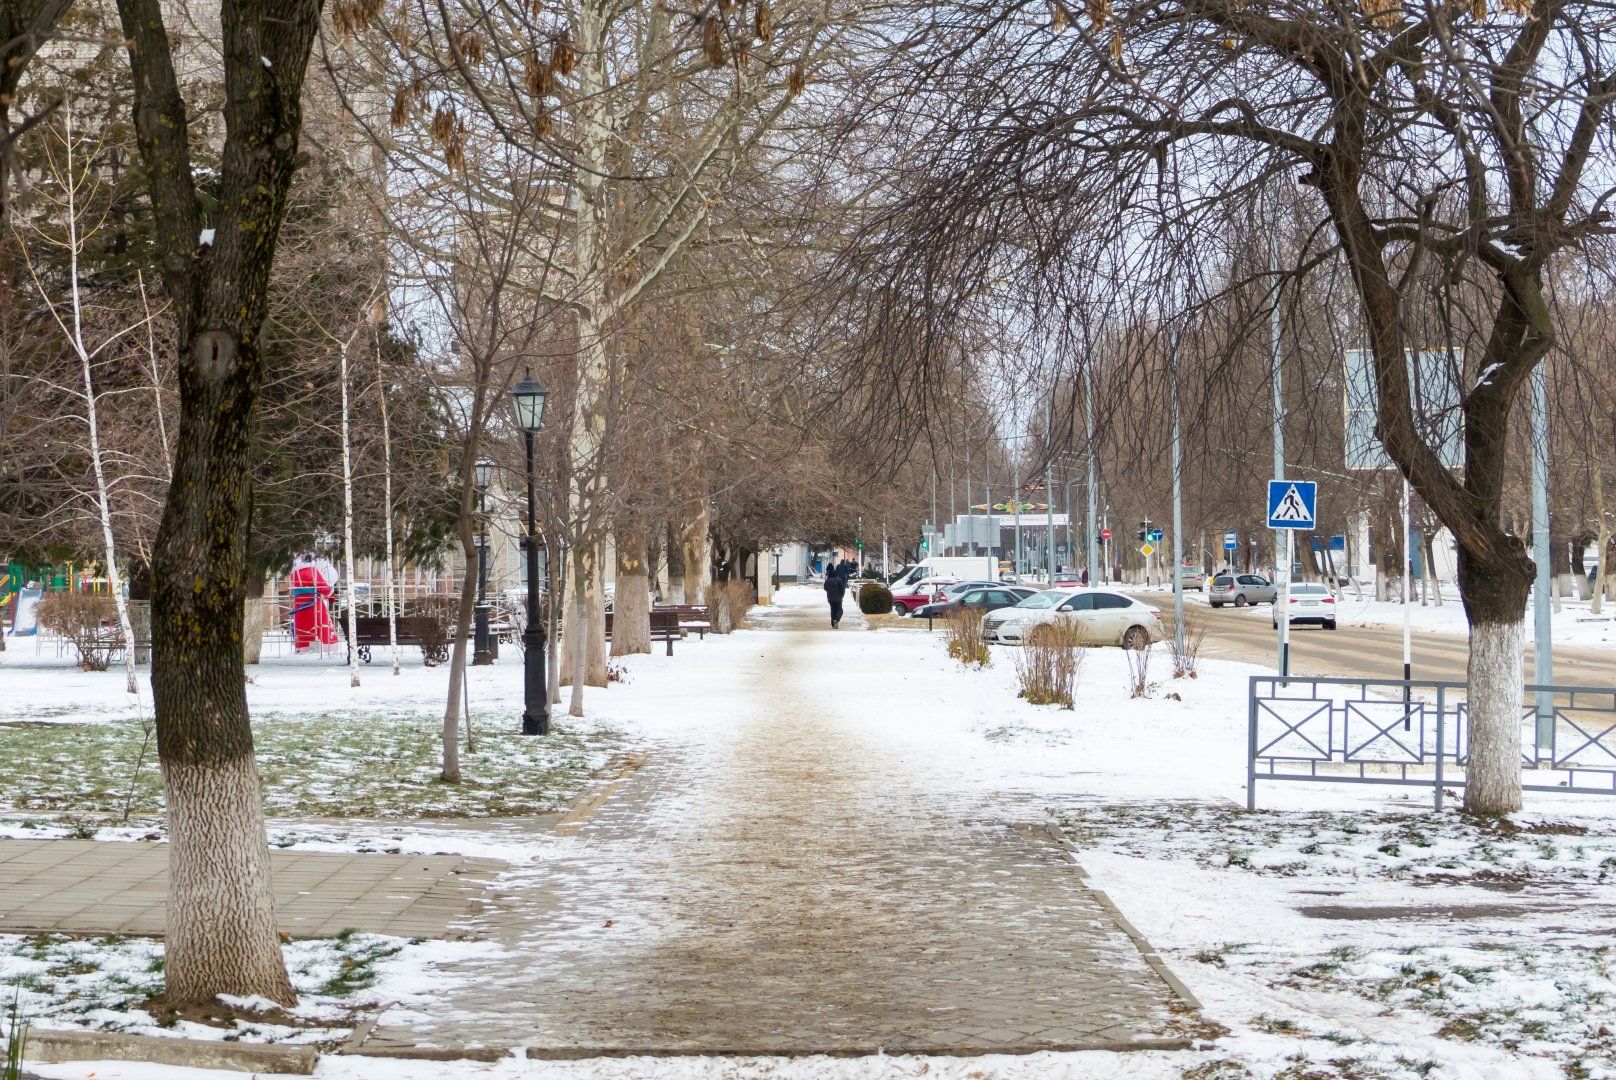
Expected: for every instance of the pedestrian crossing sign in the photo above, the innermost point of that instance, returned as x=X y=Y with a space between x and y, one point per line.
x=1293 y=504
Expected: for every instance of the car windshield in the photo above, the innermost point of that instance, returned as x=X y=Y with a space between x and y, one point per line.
x=1043 y=600
x=1308 y=589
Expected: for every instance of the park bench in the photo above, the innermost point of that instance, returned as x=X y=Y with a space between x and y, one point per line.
x=664 y=627
x=422 y=631
x=692 y=617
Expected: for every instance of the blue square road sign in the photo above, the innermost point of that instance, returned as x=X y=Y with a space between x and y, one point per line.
x=1293 y=504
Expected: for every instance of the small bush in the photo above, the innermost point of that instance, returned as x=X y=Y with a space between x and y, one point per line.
x=1048 y=663
x=965 y=641
x=437 y=632
x=1138 y=671
x=875 y=598
x=1187 y=659
x=83 y=619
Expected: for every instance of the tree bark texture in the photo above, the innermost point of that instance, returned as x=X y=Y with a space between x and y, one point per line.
x=631 y=605
x=222 y=935
x=676 y=565
x=1495 y=687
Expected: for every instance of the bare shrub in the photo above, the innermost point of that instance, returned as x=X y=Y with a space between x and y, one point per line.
x=86 y=620
x=436 y=626
x=1048 y=663
x=965 y=641
x=1138 y=671
x=1187 y=656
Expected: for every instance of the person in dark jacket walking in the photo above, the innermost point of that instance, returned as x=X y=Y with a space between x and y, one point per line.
x=837 y=576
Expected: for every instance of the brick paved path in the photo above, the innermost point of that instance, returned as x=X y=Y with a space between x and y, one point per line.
x=782 y=881
x=92 y=887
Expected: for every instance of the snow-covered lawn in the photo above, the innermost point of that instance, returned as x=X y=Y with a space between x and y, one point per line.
x=73 y=740
x=109 y=983
x=360 y=764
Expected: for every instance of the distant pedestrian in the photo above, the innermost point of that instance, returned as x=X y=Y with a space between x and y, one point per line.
x=837 y=575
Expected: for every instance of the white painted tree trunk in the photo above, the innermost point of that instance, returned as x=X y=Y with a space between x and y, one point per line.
x=348 y=522
x=387 y=516
x=1494 y=690
x=229 y=938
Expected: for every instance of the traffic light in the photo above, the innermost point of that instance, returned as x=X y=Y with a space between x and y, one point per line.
x=924 y=545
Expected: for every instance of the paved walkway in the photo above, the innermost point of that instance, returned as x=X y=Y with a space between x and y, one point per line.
x=92 y=887
x=785 y=879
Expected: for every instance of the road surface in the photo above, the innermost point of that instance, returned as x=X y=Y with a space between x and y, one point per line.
x=1371 y=652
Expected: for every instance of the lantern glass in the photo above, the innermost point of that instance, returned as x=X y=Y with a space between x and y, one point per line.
x=485 y=472
x=527 y=398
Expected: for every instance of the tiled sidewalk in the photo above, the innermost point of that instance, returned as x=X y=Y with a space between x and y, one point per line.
x=90 y=887
x=787 y=882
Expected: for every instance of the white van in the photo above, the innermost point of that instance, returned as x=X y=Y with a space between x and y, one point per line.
x=957 y=567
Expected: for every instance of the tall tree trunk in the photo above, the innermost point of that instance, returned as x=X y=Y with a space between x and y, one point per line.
x=222 y=934
x=348 y=521
x=1601 y=557
x=631 y=606
x=1495 y=603
x=387 y=519
x=676 y=565
x=696 y=550
x=252 y=616
x=457 y=660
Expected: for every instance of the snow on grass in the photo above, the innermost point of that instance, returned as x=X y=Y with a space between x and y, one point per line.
x=110 y=983
x=323 y=765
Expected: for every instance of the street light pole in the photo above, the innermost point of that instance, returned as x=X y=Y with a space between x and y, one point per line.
x=483 y=650
x=528 y=398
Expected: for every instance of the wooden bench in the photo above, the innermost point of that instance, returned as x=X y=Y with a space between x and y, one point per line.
x=692 y=617
x=664 y=627
x=421 y=631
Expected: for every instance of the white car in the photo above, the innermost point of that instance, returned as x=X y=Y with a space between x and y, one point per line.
x=1105 y=618
x=1310 y=603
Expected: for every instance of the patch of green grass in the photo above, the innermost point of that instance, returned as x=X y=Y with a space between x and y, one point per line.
x=372 y=765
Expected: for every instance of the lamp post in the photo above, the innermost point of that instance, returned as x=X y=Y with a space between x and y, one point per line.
x=483 y=649
x=527 y=400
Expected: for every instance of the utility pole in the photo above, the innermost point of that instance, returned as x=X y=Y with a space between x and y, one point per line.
x=1282 y=547
x=1178 y=504
x=1049 y=487
x=1094 y=536
x=1543 y=655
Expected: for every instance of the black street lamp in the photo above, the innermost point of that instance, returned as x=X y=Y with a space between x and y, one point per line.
x=527 y=399
x=483 y=650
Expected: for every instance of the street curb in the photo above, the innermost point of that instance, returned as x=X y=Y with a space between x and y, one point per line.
x=1147 y=951
x=1115 y=1046
x=54 y=1047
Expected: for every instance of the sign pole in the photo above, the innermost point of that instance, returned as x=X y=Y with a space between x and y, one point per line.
x=1291 y=506
x=1408 y=563
x=1285 y=607
x=1543 y=643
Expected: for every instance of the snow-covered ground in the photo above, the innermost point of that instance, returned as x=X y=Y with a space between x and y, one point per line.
x=1339 y=931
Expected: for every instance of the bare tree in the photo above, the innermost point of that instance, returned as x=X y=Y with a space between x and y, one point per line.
x=222 y=934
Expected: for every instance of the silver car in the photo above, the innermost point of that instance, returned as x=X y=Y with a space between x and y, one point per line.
x=1240 y=590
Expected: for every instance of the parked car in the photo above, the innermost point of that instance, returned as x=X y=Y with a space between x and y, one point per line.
x=977 y=597
x=919 y=595
x=1310 y=603
x=1105 y=618
x=1193 y=577
x=1240 y=590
